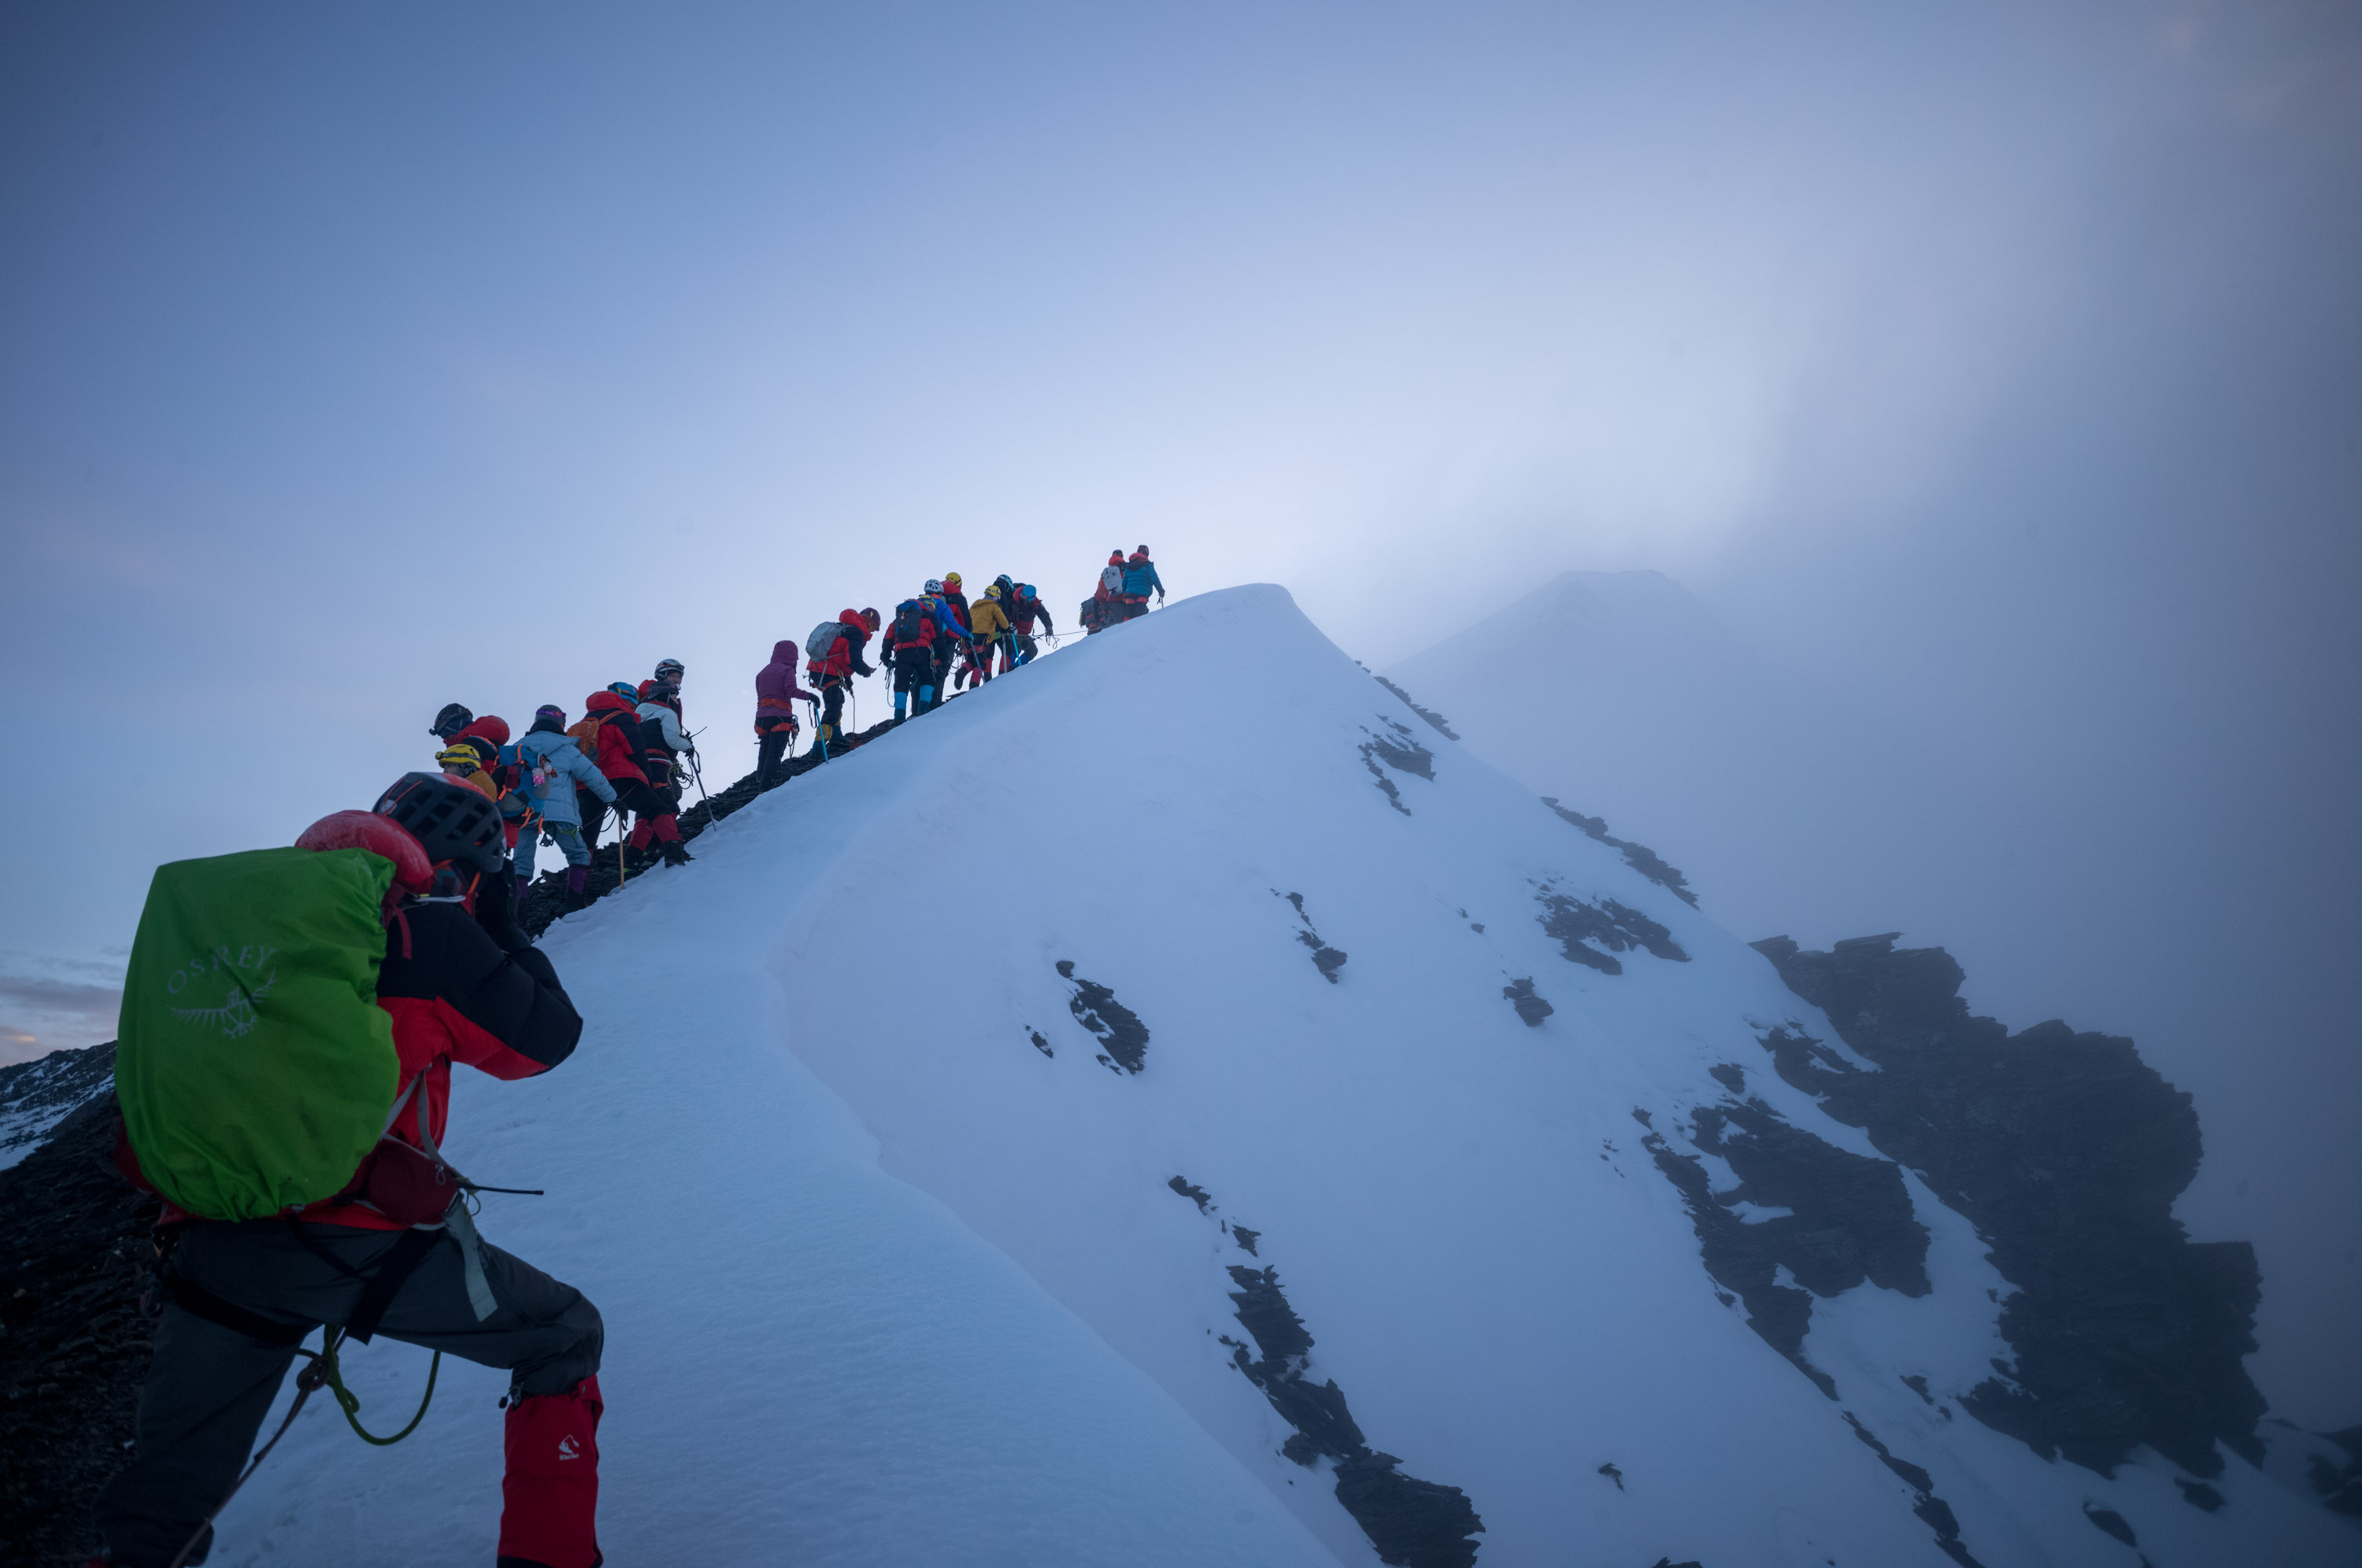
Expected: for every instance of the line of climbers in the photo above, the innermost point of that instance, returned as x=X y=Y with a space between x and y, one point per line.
x=272 y=1234
x=1125 y=584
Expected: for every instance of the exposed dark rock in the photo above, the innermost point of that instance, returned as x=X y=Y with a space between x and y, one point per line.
x=1639 y=856
x=1414 y=1523
x=1849 y=1220
x=1433 y=717
x=1418 y=1524
x=1118 y=1027
x=1401 y=751
x=1040 y=1042
x=1246 y=1239
x=1851 y=1217
x=1532 y=1007
x=1729 y=1076
x=2066 y=1150
x=1919 y=1385
x=1668 y=1563
x=1739 y=1262
x=1613 y=1474
x=36 y=1096
x=2199 y=1494
x=1577 y=926
x=75 y=1243
x=2112 y=1522
x=1325 y=958
x=1932 y=1510
x=1385 y=785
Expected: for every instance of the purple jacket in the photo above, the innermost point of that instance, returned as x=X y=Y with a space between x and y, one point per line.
x=776 y=691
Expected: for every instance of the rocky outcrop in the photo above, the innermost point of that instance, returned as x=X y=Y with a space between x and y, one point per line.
x=1639 y=856
x=1115 y=1026
x=2067 y=1151
x=1433 y=718
x=1591 y=934
x=1325 y=958
x=1848 y=1218
x=1410 y=1522
x=36 y=1096
x=74 y=1256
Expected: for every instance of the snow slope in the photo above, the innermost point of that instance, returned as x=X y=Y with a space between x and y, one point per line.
x=889 y=1243
x=1620 y=694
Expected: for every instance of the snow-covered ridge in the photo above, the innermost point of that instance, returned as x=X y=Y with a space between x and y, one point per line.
x=1163 y=1109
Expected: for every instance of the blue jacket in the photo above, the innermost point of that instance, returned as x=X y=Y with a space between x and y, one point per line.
x=568 y=770
x=1140 y=580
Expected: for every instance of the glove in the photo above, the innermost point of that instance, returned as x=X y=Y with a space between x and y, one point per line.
x=496 y=911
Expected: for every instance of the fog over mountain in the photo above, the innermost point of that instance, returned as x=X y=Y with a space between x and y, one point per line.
x=2067 y=887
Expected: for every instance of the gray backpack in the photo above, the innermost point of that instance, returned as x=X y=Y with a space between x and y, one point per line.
x=823 y=638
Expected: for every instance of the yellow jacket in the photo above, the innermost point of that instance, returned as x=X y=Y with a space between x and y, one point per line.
x=986 y=619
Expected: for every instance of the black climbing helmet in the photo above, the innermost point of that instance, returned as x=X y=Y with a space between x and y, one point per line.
x=451 y=720
x=451 y=821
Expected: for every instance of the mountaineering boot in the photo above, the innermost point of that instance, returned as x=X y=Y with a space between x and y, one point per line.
x=675 y=851
x=577 y=889
x=899 y=698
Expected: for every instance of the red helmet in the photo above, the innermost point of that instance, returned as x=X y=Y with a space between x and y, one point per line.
x=381 y=836
x=492 y=727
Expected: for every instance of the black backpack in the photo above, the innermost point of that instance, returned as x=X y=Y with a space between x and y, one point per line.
x=911 y=623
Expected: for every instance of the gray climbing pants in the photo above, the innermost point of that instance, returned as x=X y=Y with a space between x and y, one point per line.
x=209 y=1386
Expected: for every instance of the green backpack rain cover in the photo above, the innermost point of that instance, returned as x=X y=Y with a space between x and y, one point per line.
x=256 y=1069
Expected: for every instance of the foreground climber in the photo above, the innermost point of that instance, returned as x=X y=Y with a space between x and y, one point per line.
x=390 y=1250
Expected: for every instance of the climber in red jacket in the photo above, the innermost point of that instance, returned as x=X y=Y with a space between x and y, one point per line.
x=462 y=984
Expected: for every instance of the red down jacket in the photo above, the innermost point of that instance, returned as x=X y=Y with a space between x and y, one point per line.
x=456 y=996
x=844 y=653
x=620 y=743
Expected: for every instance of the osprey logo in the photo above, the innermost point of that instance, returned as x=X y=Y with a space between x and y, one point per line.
x=222 y=967
x=565 y=1449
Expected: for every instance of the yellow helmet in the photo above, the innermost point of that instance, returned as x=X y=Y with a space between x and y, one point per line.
x=993 y=592
x=951 y=580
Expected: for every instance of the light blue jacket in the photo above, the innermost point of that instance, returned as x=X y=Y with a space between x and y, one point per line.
x=566 y=769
